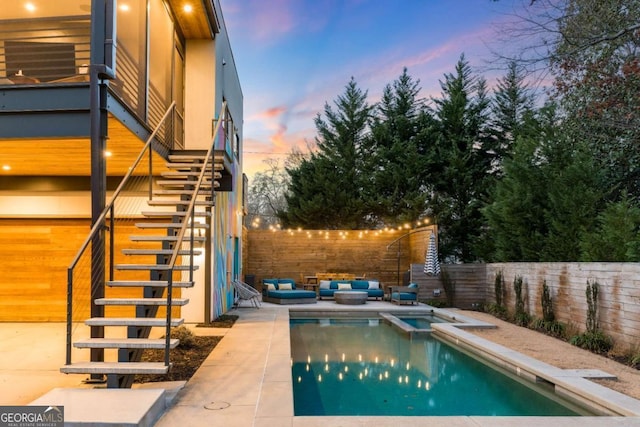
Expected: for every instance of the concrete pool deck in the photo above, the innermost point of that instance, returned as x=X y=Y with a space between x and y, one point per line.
x=246 y=380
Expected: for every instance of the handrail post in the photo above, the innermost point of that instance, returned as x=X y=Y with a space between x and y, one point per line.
x=112 y=233
x=167 y=344
x=150 y=173
x=193 y=221
x=69 y=314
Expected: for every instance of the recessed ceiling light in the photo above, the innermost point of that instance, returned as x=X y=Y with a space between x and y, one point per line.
x=188 y=8
x=30 y=7
x=108 y=154
x=124 y=7
x=6 y=168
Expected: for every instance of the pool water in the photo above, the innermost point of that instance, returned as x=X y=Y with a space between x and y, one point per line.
x=364 y=367
x=421 y=322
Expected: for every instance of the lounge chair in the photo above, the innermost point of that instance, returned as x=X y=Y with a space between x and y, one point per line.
x=247 y=293
x=404 y=294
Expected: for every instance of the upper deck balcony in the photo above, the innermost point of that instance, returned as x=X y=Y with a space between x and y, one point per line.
x=45 y=52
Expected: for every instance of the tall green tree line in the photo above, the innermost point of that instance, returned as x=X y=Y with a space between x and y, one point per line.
x=504 y=179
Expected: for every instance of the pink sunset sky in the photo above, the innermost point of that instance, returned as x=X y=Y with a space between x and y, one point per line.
x=293 y=56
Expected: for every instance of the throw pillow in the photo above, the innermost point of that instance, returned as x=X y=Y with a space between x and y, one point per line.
x=324 y=284
x=344 y=286
x=285 y=286
x=374 y=284
x=413 y=285
x=271 y=286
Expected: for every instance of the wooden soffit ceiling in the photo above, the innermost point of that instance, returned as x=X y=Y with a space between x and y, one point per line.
x=72 y=157
x=196 y=18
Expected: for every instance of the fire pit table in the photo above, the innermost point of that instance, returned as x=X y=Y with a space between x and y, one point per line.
x=350 y=297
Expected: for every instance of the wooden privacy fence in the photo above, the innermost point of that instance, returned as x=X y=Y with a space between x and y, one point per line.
x=300 y=253
x=382 y=255
x=618 y=302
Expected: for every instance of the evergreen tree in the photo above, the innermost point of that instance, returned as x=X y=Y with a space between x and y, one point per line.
x=326 y=190
x=398 y=192
x=459 y=163
x=616 y=237
x=574 y=197
x=511 y=103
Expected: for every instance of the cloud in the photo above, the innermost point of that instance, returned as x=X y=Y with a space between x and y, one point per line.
x=272 y=112
x=273 y=20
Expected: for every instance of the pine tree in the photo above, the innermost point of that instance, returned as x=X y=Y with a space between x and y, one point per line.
x=326 y=190
x=512 y=102
x=397 y=168
x=459 y=163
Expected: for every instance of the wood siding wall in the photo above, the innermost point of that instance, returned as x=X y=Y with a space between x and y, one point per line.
x=296 y=254
x=619 y=300
x=35 y=256
x=468 y=280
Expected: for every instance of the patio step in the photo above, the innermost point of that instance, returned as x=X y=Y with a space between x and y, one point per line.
x=133 y=343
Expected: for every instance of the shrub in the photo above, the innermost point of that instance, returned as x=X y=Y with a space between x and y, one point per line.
x=498 y=309
x=186 y=337
x=596 y=342
x=593 y=339
x=548 y=323
x=521 y=317
x=547 y=304
x=499 y=288
x=449 y=286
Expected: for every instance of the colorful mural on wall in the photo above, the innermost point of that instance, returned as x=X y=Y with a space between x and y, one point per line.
x=227 y=238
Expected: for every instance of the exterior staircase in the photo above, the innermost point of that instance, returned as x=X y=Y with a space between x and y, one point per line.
x=158 y=241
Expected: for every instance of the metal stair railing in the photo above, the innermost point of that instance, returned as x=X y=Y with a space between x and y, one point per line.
x=99 y=226
x=190 y=213
x=180 y=238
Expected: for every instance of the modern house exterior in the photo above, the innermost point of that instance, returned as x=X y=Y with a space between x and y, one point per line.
x=120 y=167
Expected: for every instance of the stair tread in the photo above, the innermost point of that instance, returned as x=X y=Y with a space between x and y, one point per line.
x=203 y=192
x=165 y=238
x=116 y=368
x=125 y=343
x=169 y=225
x=154 y=267
x=159 y=252
x=140 y=301
x=180 y=167
x=182 y=183
x=185 y=156
x=170 y=214
x=131 y=321
x=187 y=173
x=177 y=202
x=152 y=283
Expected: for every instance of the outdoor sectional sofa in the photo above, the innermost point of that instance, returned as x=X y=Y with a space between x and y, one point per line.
x=372 y=287
x=283 y=291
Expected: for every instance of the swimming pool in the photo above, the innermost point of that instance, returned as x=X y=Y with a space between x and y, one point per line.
x=365 y=367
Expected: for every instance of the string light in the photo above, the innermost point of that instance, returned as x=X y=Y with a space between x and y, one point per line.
x=258 y=223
